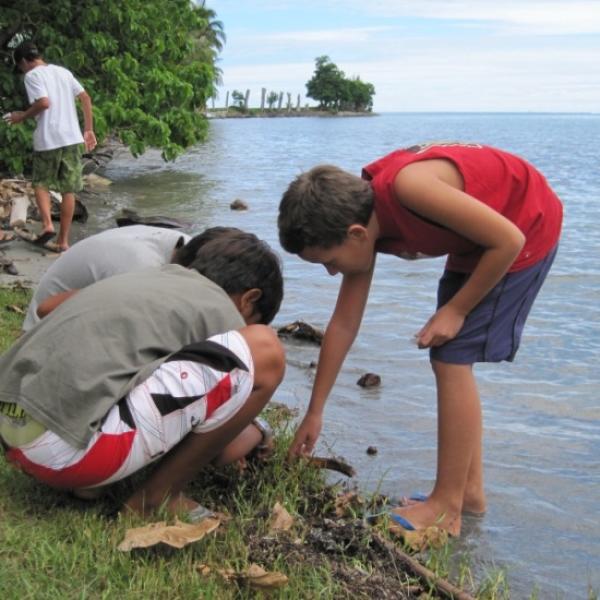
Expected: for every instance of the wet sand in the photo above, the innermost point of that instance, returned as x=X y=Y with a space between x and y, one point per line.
x=31 y=262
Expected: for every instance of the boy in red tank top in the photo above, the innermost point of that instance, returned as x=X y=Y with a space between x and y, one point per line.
x=498 y=221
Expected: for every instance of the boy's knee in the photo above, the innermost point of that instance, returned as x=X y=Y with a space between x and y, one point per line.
x=267 y=352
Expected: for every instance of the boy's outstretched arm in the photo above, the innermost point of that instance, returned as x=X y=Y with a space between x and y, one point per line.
x=433 y=189
x=338 y=339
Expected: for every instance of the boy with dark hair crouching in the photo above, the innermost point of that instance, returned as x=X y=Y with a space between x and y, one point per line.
x=162 y=364
x=498 y=221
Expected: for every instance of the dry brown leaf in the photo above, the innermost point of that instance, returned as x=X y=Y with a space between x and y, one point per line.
x=203 y=569
x=15 y=308
x=257 y=577
x=178 y=535
x=227 y=574
x=281 y=520
x=421 y=539
x=344 y=502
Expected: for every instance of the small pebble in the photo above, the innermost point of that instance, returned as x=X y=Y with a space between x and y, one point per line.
x=238 y=204
x=369 y=380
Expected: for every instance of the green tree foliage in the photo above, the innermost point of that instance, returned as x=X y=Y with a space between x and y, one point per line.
x=238 y=99
x=272 y=98
x=330 y=87
x=149 y=66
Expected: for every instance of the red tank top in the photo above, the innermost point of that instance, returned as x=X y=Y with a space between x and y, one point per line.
x=502 y=181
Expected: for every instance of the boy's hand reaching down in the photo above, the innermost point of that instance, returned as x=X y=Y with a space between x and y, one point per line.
x=441 y=328
x=306 y=436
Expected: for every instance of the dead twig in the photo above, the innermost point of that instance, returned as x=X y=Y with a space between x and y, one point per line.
x=441 y=585
x=333 y=464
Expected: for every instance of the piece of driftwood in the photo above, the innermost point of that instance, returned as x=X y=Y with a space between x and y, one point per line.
x=130 y=217
x=442 y=586
x=301 y=331
x=332 y=464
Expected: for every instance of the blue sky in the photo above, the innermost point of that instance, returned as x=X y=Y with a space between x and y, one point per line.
x=421 y=55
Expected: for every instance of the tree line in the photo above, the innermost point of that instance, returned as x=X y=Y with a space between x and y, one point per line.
x=329 y=86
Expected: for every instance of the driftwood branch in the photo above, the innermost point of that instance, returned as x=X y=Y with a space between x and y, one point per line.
x=442 y=586
x=332 y=464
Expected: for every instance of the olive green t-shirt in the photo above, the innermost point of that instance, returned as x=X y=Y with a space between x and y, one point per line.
x=77 y=363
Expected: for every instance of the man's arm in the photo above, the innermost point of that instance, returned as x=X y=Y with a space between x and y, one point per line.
x=18 y=116
x=338 y=339
x=89 y=136
x=49 y=304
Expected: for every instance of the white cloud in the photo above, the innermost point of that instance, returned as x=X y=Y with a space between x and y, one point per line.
x=536 y=16
x=349 y=35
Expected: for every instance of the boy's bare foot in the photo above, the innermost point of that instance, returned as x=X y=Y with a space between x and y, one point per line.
x=474 y=502
x=429 y=513
x=179 y=504
x=474 y=505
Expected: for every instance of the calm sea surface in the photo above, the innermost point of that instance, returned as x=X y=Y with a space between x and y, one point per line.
x=541 y=413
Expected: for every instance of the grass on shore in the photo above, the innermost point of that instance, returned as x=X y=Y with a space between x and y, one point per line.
x=54 y=546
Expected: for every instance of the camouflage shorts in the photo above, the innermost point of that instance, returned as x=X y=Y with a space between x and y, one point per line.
x=58 y=169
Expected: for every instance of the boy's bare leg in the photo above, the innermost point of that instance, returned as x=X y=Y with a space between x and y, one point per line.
x=67 y=209
x=474 y=501
x=240 y=447
x=42 y=199
x=197 y=450
x=459 y=436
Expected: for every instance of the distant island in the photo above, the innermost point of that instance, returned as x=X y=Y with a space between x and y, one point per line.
x=336 y=94
x=257 y=113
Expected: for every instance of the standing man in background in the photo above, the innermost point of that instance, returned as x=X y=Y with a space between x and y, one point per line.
x=57 y=139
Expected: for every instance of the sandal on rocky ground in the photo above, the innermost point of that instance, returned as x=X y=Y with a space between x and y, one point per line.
x=37 y=240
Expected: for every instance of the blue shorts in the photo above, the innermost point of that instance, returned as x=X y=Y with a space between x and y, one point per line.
x=492 y=330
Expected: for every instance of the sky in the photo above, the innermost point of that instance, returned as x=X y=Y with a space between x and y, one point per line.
x=421 y=55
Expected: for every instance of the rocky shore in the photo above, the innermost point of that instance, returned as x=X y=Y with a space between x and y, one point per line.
x=20 y=261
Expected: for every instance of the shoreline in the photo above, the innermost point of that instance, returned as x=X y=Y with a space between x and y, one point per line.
x=257 y=113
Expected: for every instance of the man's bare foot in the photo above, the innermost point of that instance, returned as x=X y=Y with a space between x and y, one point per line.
x=429 y=513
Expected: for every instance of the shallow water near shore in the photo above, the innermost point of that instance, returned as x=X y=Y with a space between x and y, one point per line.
x=541 y=413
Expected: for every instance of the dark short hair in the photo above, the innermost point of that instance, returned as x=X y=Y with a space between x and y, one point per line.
x=186 y=254
x=320 y=205
x=26 y=50
x=238 y=262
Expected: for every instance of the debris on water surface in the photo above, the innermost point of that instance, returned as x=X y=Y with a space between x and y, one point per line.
x=301 y=331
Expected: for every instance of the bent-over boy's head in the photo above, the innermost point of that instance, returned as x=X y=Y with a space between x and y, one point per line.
x=184 y=255
x=320 y=205
x=247 y=269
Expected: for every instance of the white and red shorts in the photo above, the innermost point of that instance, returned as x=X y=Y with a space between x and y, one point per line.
x=196 y=390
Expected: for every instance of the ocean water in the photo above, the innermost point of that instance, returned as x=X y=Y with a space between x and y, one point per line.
x=541 y=413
